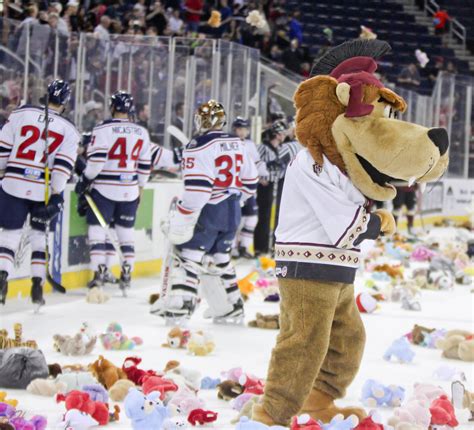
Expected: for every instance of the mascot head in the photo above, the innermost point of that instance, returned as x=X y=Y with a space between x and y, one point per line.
x=346 y=114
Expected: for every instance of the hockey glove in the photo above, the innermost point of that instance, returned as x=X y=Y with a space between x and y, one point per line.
x=388 y=226
x=82 y=185
x=181 y=226
x=51 y=210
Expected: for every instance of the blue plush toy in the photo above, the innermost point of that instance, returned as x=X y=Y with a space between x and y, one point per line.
x=146 y=412
x=339 y=423
x=401 y=350
x=247 y=424
x=208 y=383
x=376 y=394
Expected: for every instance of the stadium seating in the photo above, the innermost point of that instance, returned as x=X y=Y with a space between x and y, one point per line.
x=387 y=19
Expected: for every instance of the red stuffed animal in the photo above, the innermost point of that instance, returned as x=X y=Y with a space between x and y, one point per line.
x=135 y=374
x=304 y=422
x=201 y=417
x=442 y=412
x=76 y=399
x=251 y=386
x=157 y=383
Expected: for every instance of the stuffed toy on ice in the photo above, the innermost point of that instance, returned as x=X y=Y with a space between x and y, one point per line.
x=400 y=349
x=145 y=411
x=114 y=339
x=376 y=394
x=354 y=147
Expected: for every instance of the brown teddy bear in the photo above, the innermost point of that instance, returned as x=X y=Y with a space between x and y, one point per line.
x=106 y=372
x=457 y=344
x=271 y=322
x=228 y=390
x=353 y=148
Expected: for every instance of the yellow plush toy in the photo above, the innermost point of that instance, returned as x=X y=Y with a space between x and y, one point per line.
x=11 y=402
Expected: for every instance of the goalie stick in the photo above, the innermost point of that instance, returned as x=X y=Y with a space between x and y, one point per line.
x=55 y=285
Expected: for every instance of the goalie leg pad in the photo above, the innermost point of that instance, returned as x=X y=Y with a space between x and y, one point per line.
x=38 y=254
x=9 y=242
x=97 y=237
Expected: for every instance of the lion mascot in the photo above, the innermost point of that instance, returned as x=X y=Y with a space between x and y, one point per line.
x=353 y=148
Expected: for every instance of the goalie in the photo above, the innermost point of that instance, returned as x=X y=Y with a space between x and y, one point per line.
x=218 y=173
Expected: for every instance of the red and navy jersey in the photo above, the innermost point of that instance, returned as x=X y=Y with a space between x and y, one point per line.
x=215 y=166
x=118 y=159
x=22 y=152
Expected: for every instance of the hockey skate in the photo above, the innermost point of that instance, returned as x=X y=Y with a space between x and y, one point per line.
x=3 y=286
x=109 y=277
x=125 y=278
x=98 y=279
x=37 y=293
x=234 y=317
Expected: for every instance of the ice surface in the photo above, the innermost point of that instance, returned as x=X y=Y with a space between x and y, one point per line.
x=235 y=346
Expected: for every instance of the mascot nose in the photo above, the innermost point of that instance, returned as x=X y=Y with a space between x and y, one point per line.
x=439 y=136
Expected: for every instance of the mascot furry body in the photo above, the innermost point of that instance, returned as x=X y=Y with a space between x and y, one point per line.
x=354 y=147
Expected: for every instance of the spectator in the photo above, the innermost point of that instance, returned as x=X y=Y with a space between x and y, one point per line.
x=194 y=10
x=409 y=76
x=156 y=18
x=296 y=28
x=176 y=24
x=102 y=30
x=143 y=114
x=292 y=57
x=441 y=21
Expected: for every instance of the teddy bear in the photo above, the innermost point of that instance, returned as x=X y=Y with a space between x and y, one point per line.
x=3 y=399
x=119 y=390
x=342 y=119
x=81 y=400
x=177 y=338
x=400 y=349
x=228 y=390
x=114 y=339
x=201 y=417
x=134 y=374
x=376 y=394
x=77 y=420
x=145 y=411
x=462 y=398
x=200 y=344
x=106 y=372
x=457 y=344
x=442 y=413
x=271 y=322
x=73 y=345
x=413 y=415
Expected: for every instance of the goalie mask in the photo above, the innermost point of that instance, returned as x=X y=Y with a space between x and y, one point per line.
x=209 y=115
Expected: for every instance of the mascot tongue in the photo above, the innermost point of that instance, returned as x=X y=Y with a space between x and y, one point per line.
x=356 y=72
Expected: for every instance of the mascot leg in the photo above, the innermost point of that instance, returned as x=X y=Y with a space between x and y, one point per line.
x=341 y=363
x=307 y=311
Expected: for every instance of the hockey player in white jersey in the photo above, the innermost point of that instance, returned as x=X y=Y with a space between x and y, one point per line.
x=23 y=152
x=218 y=173
x=240 y=127
x=118 y=167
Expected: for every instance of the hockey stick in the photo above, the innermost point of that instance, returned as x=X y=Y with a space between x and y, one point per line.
x=104 y=225
x=166 y=267
x=56 y=285
x=178 y=134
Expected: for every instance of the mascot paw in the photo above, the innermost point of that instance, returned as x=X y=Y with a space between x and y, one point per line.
x=388 y=226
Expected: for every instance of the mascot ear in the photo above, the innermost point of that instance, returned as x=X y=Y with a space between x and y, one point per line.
x=343 y=91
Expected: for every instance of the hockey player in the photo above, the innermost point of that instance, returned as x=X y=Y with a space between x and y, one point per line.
x=22 y=193
x=218 y=173
x=240 y=127
x=118 y=167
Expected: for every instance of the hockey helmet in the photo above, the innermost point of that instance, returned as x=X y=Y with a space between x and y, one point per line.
x=240 y=122
x=59 y=92
x=210 y=114
x=122 y=102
